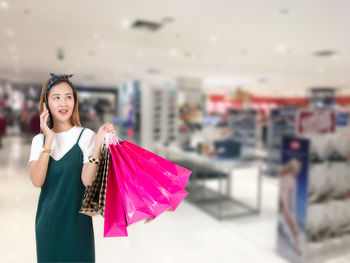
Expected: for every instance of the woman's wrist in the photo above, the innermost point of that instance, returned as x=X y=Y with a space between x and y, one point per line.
x=98 y=142
x=48 y=142
x=48 y=136
x=97 y=149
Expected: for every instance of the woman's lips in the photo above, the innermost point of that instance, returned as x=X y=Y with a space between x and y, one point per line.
x=63 y=112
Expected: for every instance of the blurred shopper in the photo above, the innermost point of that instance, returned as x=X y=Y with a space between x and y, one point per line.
x=287 y=200
x=196 y=118
x=23 y=117
x=129 y=121
x=264 y=128
x=99 y=108
x=3 y=126
x=34 y=121
x=63 y=161
x=185 y=114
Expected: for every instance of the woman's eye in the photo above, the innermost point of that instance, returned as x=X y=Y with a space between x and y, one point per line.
x=56 y=98
x=69 y=97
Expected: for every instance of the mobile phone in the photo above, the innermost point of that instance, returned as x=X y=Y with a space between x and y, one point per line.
x=48 y=118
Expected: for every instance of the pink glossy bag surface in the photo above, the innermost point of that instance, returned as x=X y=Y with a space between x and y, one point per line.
x=136 y=201
x=175 y=172
x=172 y=177
x=160 y=197
x=114 y=221
x=147 y=186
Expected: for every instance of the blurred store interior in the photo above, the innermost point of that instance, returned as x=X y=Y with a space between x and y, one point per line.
x=252 y=96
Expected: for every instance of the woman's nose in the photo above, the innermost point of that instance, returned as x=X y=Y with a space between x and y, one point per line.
x=63 y=102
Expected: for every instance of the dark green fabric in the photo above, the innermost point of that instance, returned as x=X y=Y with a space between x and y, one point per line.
x=62 y=233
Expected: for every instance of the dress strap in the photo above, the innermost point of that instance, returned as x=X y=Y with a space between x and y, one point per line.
x=80 y=135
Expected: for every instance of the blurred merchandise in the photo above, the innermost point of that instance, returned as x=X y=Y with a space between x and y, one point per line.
x=316 y=121
x=281 y=123
x=227 y=148
x=321 y=198
x=244 y=130
x=322 y=97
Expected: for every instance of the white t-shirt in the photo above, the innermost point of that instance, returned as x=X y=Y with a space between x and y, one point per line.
x=62 y=142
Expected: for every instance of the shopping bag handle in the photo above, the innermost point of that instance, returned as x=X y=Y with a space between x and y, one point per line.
x=111 y=138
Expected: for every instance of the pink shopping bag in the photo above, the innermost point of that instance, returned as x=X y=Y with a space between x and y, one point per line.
x=159 y=196
x=175 y=172
x=170 y=176
x=114 y=221
x=143 y=185
x=136 y=203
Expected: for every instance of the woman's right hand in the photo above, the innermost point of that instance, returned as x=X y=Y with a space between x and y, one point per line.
x=43 y=124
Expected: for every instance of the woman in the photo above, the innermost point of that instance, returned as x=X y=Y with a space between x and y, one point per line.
x=63 y=161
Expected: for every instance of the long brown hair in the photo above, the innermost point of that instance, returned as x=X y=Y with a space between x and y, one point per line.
x=74 y=118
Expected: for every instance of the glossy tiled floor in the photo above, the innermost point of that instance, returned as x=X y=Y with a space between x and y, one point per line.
x=186 y=235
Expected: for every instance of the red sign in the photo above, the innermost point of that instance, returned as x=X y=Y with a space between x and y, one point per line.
x=320 y=122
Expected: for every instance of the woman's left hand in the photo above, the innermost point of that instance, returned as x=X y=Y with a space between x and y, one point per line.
x=104 y=128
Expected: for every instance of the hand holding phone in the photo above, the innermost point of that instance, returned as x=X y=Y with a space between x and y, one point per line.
x=44 y=123
x=48 y=118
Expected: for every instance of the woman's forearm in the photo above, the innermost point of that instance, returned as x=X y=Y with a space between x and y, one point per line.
x=90 y=169
x=38 y=169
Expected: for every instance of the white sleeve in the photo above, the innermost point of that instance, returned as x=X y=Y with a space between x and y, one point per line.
x=87 y=143
x=37 y=145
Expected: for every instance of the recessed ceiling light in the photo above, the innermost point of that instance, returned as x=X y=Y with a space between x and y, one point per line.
x=281 y=48
x=4 y=4
x=125 y=23
x=140 y=54
x=173 y=52
x=10 y=32
x=213 y=39
x=96 y=35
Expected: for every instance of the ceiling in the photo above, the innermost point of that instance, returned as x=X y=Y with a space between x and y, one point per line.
x=266 y=47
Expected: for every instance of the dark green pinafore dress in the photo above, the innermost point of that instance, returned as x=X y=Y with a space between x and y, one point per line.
x=62 y=233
